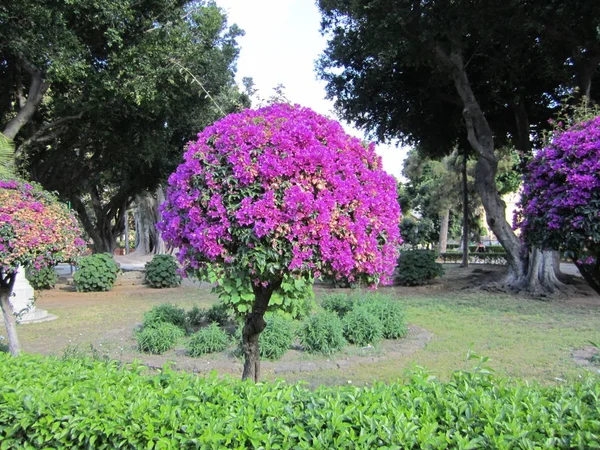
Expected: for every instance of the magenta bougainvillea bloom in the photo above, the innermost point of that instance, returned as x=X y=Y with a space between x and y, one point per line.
x=283 y=190
x=35 y=229
x=267 y=200
x=560 y=205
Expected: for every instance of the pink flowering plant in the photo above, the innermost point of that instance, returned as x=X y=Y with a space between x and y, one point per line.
x=35 y=231
x=560 y=204
x=268 y=200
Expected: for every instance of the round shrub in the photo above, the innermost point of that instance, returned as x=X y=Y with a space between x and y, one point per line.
x=42 y=278
x=418 y=267
x=161 y=272
x=277 y=338
x=322 y=333
x=361 y=327
x=158 y=339
x=165 y=313
x=96 y=273
x=210 y=339
x=341 y=304
x=391 y=315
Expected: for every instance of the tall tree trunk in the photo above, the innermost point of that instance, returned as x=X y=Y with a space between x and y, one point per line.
x=465 y=260
x=253 y=326
x=444 y=222
x=7 y=283
x=147 y=216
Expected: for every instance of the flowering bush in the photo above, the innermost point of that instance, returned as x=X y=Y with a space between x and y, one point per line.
x=278 y=191
x=266 y=200
x=36 y=231
x=269 y=199
x=560 y=205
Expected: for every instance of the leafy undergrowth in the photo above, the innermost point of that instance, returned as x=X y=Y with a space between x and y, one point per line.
x=80 y=403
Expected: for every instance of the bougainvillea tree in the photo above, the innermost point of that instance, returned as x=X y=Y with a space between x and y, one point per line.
x=560 y=205
x=268 y=200
x=35 y=231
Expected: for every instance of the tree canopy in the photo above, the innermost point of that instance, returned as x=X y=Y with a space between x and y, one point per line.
x=121 y=86
x=442 y=73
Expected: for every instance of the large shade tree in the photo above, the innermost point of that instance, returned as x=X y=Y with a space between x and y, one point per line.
x=434 y=73
x=267 y=200
x=36 y=230
x=100 y=96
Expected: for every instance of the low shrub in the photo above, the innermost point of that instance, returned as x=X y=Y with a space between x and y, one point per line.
x=210 y=339
x=165 y=313
x=391 y=315
x=43 y=278
x=220 y=313
x=161 y=272
x=158 y=339
x=96 y=273
x=362 y=327
x=83 y=404
x=341 y=304
x=418 y=267
x=277 y=338
x=322 y=333
x=195 y=317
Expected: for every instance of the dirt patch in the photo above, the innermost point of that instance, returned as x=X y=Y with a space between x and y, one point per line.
x=294 y=361
x=588 y=357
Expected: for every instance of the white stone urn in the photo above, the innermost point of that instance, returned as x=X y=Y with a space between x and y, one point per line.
x=22 y=302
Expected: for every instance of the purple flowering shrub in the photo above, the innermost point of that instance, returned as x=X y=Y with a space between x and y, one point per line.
x=36 y=231
x=280 y=196
x=560 y=205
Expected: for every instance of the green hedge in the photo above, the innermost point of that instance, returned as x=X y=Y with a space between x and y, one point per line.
x=49 y=403
x=474 y=258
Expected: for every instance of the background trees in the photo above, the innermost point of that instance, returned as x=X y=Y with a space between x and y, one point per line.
x=442 y=73
x=115 y=89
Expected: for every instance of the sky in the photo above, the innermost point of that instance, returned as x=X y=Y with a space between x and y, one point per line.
x=281 y=44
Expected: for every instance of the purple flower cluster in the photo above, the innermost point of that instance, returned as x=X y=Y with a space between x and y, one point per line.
x=283 y=190
x=35 y=229
x=560 y=205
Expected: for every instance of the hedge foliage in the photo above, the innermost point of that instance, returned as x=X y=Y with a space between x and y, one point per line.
x=42 y=278
x=418 y=267
x=81 y=404
x=162 y=272
x=96 y=273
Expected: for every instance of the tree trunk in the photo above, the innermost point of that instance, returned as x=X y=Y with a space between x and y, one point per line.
x=465 y=260
x=147 y=216
x=541 y=275
x=253 y=326
x=37 y=89
x=7 y=283
x=444 y=221
x=590 y=273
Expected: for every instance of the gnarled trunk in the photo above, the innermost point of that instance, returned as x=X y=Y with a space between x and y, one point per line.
x=7 y=283
x=253 y=326
x=147 y=215
x=465 y=258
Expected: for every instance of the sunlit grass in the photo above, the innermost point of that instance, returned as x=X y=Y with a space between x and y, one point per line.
x=523 y=338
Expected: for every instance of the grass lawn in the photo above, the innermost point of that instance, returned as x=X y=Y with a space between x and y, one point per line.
x=524 y=338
